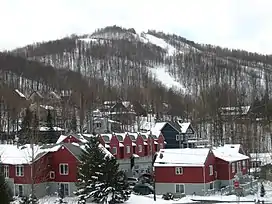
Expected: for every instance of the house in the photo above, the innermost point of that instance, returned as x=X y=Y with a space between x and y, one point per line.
x=54 y=168
x=114 y=145
x=169 y=133
x=230 y=163
x=105 y=125
x=184 y=171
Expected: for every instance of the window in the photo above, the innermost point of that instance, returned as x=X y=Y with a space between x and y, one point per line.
x=211 y=170
x=114 y=150
x=233 y=167
x=98 y=125
x=6 y=171
x=178 y=137
x=180 y=188
x=19 y=191
x=239 y=168
x=63 y=169
x=51 y=174
x=140 y=148
x=179 y=170
x=211 y=186
x=128 y=149
x=244 y=164
x=19 y=170
x=64 y=189
x=161 y=145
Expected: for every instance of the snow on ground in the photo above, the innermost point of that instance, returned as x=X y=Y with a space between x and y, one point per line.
x=163 y=76
x=136 y=199
x=161 y=43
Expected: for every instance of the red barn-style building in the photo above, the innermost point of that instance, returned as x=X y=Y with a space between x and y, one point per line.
x=198 y=170
x=184 y=171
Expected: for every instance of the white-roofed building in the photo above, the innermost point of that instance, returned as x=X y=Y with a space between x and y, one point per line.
x=198 y=170
x=185 y=171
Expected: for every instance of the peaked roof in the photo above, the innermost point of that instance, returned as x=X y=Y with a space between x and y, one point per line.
x=229 y=153
x=187 y=157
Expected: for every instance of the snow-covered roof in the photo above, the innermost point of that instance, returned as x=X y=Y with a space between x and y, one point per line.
x=106 y=137
x=184 y=126
x=78 y=136
x=54 y=128
x=229 y=153
x=242 y=110
x=187 y=157
x=264 y=158
x=156 y=130
x=20 y=93
x=13 y=154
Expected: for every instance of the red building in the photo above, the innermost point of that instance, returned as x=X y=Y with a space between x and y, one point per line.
x=184 y=171
x=195 y=171
x=54 y=168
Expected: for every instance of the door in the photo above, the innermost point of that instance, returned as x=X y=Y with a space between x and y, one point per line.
x=64 y=190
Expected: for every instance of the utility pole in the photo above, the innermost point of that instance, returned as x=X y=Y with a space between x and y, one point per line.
x=152 y=164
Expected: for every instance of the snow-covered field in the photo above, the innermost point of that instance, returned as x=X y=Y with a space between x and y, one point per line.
x=136 y=199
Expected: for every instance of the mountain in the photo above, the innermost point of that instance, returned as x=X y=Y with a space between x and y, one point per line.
x=151 y=67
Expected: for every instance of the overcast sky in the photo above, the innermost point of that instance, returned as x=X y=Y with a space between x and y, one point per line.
x=244 y=24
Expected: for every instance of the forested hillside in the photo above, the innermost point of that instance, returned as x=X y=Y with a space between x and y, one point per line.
x=153 y=68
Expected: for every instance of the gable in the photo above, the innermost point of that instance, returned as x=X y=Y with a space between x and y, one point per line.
x=168 y=127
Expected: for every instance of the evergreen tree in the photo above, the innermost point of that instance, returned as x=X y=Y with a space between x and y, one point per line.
x=262 y=191
x=99 y=177
x=5 y=191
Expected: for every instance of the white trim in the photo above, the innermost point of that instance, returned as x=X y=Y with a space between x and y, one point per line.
x=64 y=164
x=180 y=185
x=233 y=167
x=140 y=149
x=179 y=170
x=114 y=152
x=50 y=173
x=6 y=171
x=211 y=170
x=128 y=149
x=18 y=189
x=22 y=170
x=68 y=187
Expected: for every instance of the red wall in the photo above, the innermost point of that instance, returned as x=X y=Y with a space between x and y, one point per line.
x=64 y=156
x=168 y=175
x=210 y=161
x=140 y=141
x=127 y=142
x=114 y=142
x=161 y=140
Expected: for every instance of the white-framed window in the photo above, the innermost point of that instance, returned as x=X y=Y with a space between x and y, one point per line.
x=161 y=145
x=114 y=150
x=140 y=148
x=233 y=167
x=211 y=170
x=128 y=149
x=19 y=170
x=64 y=189
x=6 y=171
x=239 y=164
x=179 y=170
x=244 y=164
x=52 y=175
x=63 y=169
x=19 y=190
x=178 y=137
x=180 y=188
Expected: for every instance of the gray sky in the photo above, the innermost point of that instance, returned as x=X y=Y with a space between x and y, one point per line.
x=243 y=24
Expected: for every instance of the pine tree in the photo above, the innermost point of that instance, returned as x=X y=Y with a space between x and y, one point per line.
x=99 y=177
x=5 y=191
x=262 y=191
